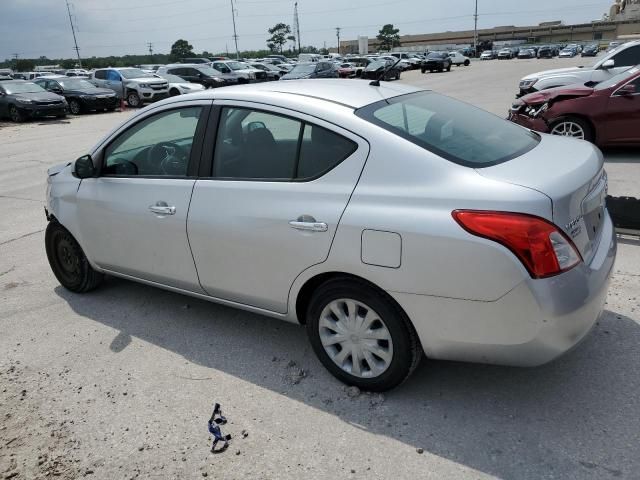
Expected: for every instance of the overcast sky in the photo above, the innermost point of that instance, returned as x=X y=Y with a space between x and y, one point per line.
x=33 y=28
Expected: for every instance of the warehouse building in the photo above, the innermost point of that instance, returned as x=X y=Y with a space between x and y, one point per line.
x=622 y=22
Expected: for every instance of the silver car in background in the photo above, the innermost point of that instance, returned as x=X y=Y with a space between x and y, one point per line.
x=391 y=221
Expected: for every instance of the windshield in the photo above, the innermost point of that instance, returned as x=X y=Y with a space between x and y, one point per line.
x=208 y=71
x=621 y=77
x=304 y=68
x=26 y=87
x=173 y=78
x=134 y=73
x=376 y=65
x=237 y=65
x=435 y=55
x=75 y=84
x=454 y=130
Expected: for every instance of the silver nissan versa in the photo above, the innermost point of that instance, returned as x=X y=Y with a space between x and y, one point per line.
x=390 y=221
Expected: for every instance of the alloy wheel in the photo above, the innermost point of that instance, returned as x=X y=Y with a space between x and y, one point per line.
x=14 y=114
x=133 y=100
x=74 y=107
x=355 y=338
x=569 y=129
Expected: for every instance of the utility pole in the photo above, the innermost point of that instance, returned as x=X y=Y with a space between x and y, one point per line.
x=73 y=31
x=235 y=34
x=296 y=26
x=338 y=35
x=475 y=32
x=150 y=45
x=15 y=57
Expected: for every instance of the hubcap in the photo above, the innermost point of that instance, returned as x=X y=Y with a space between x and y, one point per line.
x=355 y=338
x=74 y=107
x=568 y=129
x=133 y=100
x=15 y=116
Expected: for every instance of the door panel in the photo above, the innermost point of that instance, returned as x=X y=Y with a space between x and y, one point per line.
x=244 y=246
x=623 y=118
x=134 y=216
x=121 y=233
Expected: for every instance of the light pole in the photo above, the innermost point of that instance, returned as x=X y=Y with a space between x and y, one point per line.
x=475 y=32
x=235 y=35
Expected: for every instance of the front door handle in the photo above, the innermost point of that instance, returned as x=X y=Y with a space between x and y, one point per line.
x=308 y=224
x=161 y=208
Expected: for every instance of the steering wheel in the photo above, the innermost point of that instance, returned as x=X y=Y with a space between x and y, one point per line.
x=173 y=158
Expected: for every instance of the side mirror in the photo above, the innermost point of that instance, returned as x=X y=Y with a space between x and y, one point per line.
x=84 y=167
x=628 y=90
x=608 y=64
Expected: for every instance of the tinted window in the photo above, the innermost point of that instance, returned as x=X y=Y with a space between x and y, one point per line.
x=113 y=76
x=321 y=150
x=451 y=129
x=159 y=145
x=101 y=74
x=628 y=57
x=258 y=145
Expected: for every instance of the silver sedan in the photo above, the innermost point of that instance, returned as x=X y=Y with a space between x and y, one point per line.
x=393 y=222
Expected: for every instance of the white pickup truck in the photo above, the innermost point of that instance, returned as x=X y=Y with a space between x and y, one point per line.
x=617 y=61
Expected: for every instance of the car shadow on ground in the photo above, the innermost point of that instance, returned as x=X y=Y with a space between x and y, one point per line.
x=621 y=155
x=574 y=418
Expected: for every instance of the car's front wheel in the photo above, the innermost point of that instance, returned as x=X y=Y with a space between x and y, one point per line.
x=74 y=107
x=572 y=127
x=467 y=63
x=133 y=99
x=15 y=114
x=361 y=336
x=68 y=261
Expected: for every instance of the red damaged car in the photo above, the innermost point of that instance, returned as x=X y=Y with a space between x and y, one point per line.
x=607 y=114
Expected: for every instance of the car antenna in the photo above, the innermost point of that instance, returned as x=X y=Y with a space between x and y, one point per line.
x=376 y=82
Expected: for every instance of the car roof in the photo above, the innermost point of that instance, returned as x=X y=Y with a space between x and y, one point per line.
x=350 y=93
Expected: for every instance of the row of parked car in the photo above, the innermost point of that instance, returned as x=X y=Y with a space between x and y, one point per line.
x=599 y=103
x=542 y=51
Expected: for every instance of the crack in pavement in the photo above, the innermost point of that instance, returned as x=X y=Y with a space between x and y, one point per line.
x=20 y=198
x=21 y=237
x=8 y=271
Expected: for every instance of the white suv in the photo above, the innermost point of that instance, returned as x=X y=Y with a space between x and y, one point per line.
x=458 y=59
x=132 y=84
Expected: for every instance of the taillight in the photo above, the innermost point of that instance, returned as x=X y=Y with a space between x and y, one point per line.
x=542 y=248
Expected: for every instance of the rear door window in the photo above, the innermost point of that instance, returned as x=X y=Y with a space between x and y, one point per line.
x=458 y=132
x=628 y=57
x=101 y=74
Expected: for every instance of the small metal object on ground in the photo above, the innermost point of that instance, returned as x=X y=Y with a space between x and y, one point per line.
x=214 y=423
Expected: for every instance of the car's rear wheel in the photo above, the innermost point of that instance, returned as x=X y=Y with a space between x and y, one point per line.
x=361 y=336
x=133 y=99
x=449 y=68
x=68 y=261
x=572 y=127
x=467 y=63
x=15 y=114
x=74 y=107
x=423 y=70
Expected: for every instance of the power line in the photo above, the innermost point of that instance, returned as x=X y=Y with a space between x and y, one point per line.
x=73 y=31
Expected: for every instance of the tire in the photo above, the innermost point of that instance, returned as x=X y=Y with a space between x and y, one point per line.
x=174 y=92
x=449 y=68
x=423 y=70
x=15 y=114
x=68 y=261
x=398 y=76
x=467 y=63
x=401 y=343
x=571 y=126
x=133 y=100
x=74 y=107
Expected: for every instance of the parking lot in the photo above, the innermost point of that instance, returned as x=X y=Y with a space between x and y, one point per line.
x=120 y=383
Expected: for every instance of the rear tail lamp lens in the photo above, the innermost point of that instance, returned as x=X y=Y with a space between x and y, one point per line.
x=541 y=247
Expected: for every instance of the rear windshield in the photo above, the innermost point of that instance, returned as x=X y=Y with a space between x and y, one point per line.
x=454 y=130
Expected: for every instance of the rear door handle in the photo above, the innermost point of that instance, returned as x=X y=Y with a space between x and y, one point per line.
x=161 y=208
x=308 y=224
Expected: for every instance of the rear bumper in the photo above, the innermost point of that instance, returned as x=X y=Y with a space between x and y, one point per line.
x=537 y=124
x=533 y=324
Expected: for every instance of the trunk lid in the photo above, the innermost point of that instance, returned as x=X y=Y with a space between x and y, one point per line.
x=570 y=172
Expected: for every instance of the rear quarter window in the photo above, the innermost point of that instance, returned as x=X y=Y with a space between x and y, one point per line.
x=451 y=129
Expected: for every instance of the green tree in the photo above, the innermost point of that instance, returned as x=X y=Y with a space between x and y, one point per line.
x=181 y=49
x=279 y=33
x=25 y=65
x=388 y=37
